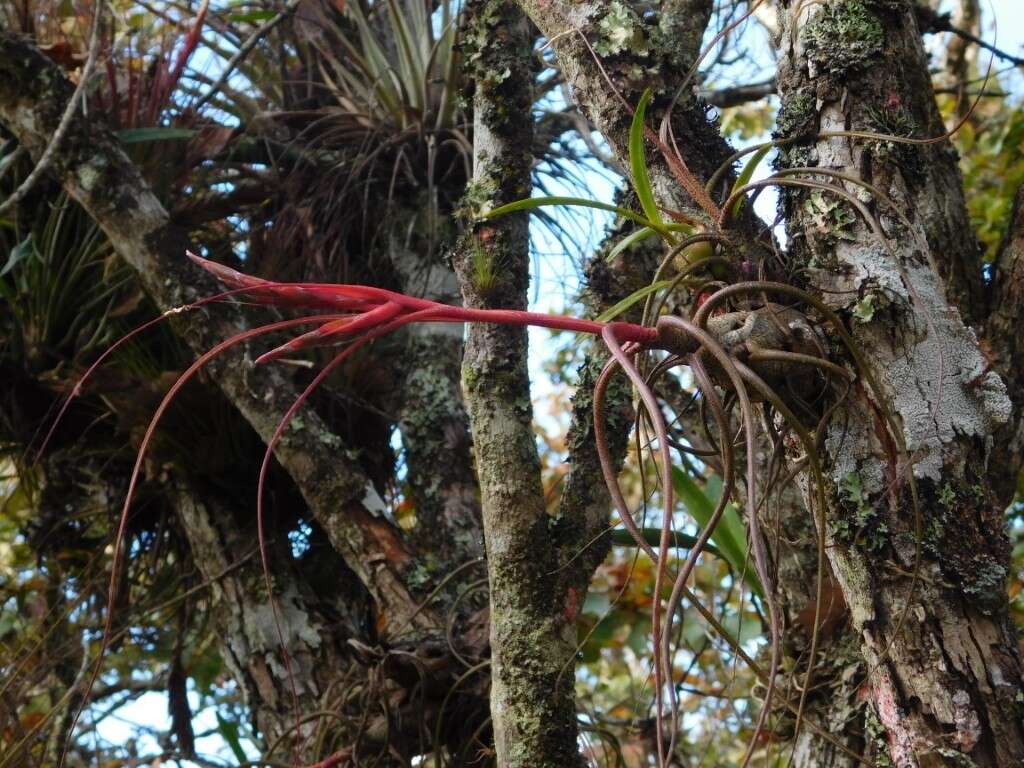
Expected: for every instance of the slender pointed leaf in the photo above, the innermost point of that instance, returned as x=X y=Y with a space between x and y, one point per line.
x=154 y=133
x=530 y=203
x=638 y=167
x=748 y=173
x=621 y=306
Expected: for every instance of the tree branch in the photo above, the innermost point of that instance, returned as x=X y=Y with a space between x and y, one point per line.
x=95 y=171
x=608 y=80
x=533 y=628
x=53 y=146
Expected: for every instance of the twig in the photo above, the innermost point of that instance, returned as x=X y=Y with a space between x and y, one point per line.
x=65 y=121
x=739 y=94
x=8 y=162
x=939 y=22
x=244 y=50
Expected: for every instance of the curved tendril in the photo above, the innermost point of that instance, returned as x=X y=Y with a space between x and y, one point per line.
x=798 y=358
x=756 y=541
x=77 y=389
x=728 y=478
x=892 y=425
x=701 y=237
x=727 y=164
x=650 y=403
x=261 y=529
x=611 y=477
x=819 y=482
x=140 y=456
x=876 y=228
x=781 y=181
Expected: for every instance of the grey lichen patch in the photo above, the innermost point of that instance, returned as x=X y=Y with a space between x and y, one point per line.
x=621 y=30
x=842 y=35
x=938 y=383
x=986 y=580
x=829 y=219
x=928 y=361
x=875 y=736
x=89 y=176
x=294 y=623
x=421 y=572
x=477 y=200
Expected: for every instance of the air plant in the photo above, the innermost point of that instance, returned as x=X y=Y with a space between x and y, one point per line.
x=741 y=338
x=355 y=315
x=384 y=121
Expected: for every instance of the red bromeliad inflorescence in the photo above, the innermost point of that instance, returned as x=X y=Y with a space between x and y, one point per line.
x=356 y=314
x=377 y=311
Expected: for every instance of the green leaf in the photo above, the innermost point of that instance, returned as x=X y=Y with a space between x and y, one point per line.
x=156 y=133
x=638 y=165
x=623 y=538
x=620 y=307
x=642 y=234
x=18 y=253
x=530 y=203
x=629 y=241
x=729 y=535
x=229 y=731
x=251 y=17
x=748 y=173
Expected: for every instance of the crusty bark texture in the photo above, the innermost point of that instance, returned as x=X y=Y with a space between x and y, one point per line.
x=943 y=669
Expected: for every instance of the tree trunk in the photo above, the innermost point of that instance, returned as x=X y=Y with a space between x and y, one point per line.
x=944 y=673
x=533 y=619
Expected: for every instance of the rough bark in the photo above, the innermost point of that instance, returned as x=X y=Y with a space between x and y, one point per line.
x=433 y=419
x=250 y=645
x=944 y=671
x=533 y=620
x=1006 y=349
x=95 y=171
x=609 y=55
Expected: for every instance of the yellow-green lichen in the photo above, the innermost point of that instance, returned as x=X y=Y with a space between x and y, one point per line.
x=841 y=36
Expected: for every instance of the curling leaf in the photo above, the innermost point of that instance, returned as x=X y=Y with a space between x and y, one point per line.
x=528 y=204
x=748 y=173
x=620 y=307
x=642 y=234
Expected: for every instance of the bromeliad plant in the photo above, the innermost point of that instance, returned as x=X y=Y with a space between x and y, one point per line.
x=742 y=340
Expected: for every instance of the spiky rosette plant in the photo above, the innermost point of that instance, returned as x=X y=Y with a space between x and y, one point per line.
x=769 y=361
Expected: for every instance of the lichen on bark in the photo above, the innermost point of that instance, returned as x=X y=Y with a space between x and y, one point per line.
x=944 y=666
x=533 y=633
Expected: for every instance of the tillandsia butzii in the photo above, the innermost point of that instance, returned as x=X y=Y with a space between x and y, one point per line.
x=753 y=347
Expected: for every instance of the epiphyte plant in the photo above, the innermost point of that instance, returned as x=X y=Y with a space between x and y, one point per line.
x=742 y=339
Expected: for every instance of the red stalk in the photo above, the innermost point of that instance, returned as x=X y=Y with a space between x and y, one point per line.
x=362 y=298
